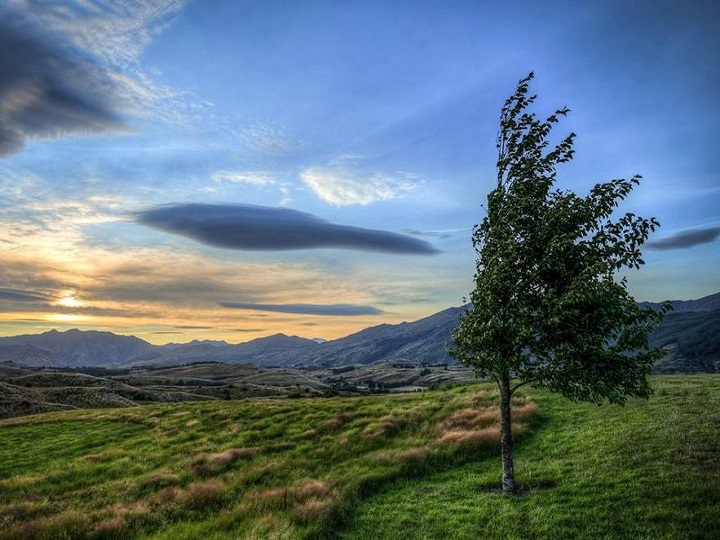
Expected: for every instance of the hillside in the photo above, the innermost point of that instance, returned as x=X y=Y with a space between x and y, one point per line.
x=394 y=466
x=31 y=390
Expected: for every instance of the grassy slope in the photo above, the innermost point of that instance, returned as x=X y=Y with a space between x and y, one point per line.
x=246 y=469
x=299 y=469
x=648 y=470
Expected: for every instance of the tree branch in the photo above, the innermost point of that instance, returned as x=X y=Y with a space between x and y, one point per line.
x=512 y=390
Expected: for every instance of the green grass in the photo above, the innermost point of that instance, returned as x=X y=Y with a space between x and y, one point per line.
x=371 y=467
x=648 y=470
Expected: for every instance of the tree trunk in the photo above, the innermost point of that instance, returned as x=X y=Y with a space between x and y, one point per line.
x=506 y=443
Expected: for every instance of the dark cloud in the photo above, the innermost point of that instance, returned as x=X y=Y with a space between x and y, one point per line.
x=686 y=239
x=343 y=310
x=432 y=234
x=16 y=295
x=246 y=330
x=268 y=229
x=48 y=89
x=194 y=327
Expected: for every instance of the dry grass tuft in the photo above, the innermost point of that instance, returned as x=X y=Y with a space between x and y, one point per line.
x=386 y=426
x=525 y=412
x=205 y=464
x=165 y=496
x=413 y=454
x=203 y=494
x=489 y=436
x=340 y=420
x=272 y=527
x=19 y=481
x=285 y=497
x=192 y=423
x=228 y=456
x=133 y=509
x=159 y=479
x=19 y=511
x=470 y=419
x=312 y=488
x=313 y=510
x=113 y=527
x=107 y=455
x=68 y=524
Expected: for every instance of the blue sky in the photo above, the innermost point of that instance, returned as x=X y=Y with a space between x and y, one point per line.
x=139 y=139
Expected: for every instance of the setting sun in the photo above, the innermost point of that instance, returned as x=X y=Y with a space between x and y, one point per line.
x=70 y=301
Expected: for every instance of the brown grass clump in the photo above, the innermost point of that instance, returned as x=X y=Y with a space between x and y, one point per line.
x=524 y=412
x=107 y=455
x=165 y=496
x=113 y=527
x=201 y=469
x=488 y=436
x=295 y=496
x=470 y=419
x=19 y=511
x=159 y=479
x=313 y=510
x=205 y=464
x=203 y=494
x=192 y=423
x=272 y=527
x=19 y=481
x=413 y=454
x=386 y=426
x=133 y=509
x=312 y=488
x=228 y=456
x=339 y=420
x=68 y=524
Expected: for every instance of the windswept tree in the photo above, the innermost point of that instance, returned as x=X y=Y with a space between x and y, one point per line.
x=548 y=308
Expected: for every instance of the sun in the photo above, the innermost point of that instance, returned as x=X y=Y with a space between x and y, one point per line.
x=69 y=301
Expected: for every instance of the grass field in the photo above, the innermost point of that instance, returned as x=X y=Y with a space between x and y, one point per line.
x=390 y=466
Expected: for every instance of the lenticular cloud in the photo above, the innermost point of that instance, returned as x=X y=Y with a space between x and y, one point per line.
x=259 y=228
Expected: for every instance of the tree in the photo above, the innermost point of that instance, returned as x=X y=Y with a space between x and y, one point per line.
x=547 y=308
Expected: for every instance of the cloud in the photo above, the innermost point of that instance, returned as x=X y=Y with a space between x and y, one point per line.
x=341 y=187
x=260 y=228
x=111 y=38
x=248 y=330
x=17 y=295
x=257 y=178
x=342 y=310
x=193 y=327
x=686 y=239
x=48 y=89
x=433 y=234
x=267 y=139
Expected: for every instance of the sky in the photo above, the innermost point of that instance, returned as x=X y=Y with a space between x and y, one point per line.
x=230 y=169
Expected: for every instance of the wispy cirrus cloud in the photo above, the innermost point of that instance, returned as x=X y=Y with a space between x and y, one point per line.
x=260 y=228
x=342 y=310
x=686 y=239
x=341 y=186
x=266 y=138
x=257 y=178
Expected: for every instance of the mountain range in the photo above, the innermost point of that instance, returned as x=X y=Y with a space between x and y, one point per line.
x=690 y=334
